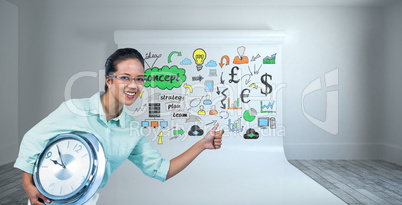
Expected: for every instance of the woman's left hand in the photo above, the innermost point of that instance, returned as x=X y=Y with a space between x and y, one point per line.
x=213 y=139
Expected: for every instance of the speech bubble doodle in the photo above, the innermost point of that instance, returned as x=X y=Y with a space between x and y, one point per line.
x=165 y=77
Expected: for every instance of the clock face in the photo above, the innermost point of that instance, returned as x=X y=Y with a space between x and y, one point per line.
x=64 y=167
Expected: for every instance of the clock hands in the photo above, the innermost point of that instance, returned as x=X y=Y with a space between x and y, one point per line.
x=61 y=159
x=56 y=162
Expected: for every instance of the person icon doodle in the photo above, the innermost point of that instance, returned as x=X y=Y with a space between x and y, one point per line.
x=207 y=100
x=201 y=111
x=213 y=110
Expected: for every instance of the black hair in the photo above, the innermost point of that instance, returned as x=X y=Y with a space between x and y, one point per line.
x=118 y=56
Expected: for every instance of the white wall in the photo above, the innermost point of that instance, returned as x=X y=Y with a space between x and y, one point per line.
x=8 y=82
x=392 y=84
x=59 y=42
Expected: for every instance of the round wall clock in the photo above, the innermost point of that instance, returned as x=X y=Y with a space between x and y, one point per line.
x=70 y=169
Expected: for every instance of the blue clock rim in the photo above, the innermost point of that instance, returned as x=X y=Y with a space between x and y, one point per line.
x=94 y=176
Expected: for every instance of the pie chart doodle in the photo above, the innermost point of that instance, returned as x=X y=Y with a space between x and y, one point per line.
x=249 y=115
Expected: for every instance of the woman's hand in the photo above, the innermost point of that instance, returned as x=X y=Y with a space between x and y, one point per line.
x=213 y=139
x=35 y=197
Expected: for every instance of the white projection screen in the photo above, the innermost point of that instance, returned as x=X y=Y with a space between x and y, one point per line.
x=196 y=79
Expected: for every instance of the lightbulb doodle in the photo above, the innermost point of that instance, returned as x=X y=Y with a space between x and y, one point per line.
x=199 y=56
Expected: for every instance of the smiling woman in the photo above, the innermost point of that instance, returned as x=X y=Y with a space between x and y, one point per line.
x=108 y=121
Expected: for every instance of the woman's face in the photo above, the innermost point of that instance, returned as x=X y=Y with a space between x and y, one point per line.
x=122 y=92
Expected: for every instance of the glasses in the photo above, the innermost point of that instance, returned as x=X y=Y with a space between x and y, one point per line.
x=127 y=80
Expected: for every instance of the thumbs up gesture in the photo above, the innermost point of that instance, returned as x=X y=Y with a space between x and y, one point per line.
x=213 y=139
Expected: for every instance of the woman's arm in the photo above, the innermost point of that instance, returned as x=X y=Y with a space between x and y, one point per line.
x=212 y=140
x=35 y=197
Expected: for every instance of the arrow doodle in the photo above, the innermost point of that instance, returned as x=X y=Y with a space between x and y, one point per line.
x=170 y=55
x=247 y=80
x=223 y=100
x=224 y=114
x=257 y=71
x=189 y=87
x=255 y=58
x=227 y=61
x=197 y=78
x=222 y=81
x=213 y=122
x=178 y=132
x=249 y=70
x=174 y=137
x=160 y=135
x=193 y=118
x=253 y=85
x=142 y=108
x=174 y=127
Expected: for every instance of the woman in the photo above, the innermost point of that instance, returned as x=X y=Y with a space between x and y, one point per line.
x=104 y=116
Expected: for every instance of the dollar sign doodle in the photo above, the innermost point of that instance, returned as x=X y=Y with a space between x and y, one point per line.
x=267 y=85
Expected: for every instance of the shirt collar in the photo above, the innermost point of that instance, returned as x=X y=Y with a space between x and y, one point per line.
x=97 y=109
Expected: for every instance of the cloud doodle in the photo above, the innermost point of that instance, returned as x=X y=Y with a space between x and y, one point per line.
x=211 y=63
x=186 y=61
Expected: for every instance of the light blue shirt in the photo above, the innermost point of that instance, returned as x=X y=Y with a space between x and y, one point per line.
x=120 y=137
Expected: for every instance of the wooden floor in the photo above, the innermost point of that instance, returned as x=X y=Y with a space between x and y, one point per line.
x=357 y=181
x=353 y=181
x=11 y=190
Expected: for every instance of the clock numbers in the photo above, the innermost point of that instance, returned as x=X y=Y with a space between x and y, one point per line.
x=51 y=186
x=82 y=179
x=77 y=148
x=48 y=155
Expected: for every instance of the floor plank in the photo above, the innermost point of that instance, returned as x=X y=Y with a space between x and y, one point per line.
x=11 y=190
x=357 y=181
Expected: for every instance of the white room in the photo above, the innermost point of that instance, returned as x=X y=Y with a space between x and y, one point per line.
x=43 y=44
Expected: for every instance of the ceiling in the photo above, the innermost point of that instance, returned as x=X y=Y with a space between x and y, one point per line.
x=365 y=3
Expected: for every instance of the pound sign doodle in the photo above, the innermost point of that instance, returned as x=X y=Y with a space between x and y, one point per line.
x=267 y=85
x=233 y=74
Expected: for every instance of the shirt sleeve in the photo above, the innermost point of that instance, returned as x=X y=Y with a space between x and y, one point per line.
x=35 y=140
x=149 y=160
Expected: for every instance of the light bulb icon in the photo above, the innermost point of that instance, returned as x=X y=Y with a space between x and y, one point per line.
x=199 y=56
